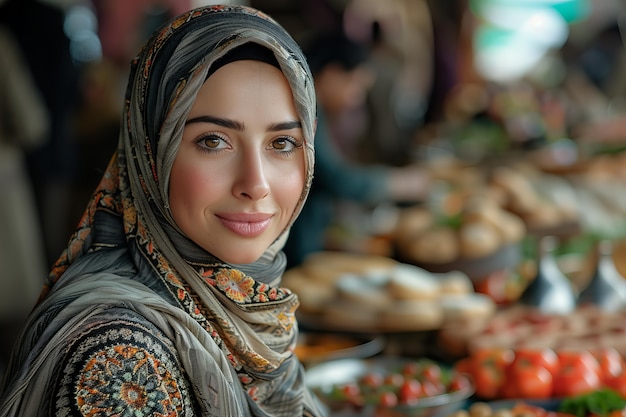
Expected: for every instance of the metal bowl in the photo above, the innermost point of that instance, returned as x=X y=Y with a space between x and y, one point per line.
x=323 y=377
x=318 y=347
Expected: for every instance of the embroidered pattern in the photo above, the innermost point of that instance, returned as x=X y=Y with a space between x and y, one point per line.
x=122 y=368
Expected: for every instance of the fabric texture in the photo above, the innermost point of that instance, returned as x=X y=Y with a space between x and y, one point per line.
x=136 y=319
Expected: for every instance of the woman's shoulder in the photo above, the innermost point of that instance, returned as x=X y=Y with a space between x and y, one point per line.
x=120 y=360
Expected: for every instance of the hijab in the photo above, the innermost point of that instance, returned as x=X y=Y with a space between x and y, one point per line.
x=232 y=325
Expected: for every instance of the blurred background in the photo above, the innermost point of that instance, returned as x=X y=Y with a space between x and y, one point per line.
x=516 y=109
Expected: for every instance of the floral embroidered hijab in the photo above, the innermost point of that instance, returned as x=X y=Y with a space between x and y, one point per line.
x=227 y=322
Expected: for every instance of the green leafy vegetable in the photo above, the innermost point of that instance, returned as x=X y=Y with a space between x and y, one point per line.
x=600 y=402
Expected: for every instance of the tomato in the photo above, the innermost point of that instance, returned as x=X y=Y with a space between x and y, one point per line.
x=410 y=391
x=431 y=372
x=459 y=382
x=388 y=399
x=350 y=393
x=610 y=362
x=493 y=285
x=394 y=379
x=528 y=380
x=432 y=388
x=411 y=369
x=488 y=380
x=543 y=357
x=464 y=365
x=372 y=380
x=488 y=370
x=617 y=383
x=577 y=374
x=498 y=357
x=351 y=390
x=578 y=358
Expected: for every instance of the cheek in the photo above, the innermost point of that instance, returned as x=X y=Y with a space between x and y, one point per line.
x=288 y=190
x=190 y=187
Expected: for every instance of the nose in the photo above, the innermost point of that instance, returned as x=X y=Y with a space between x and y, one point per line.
x=251 y=182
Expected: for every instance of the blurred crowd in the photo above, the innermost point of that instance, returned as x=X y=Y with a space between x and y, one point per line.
x=61 y=88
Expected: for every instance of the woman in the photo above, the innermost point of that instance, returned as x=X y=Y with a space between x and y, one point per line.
x=167 y=300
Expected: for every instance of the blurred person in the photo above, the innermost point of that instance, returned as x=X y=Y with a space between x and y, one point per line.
x=37 y=27
x=342 y=80
x=400 y=36
x=168 y=298
x=23 y=126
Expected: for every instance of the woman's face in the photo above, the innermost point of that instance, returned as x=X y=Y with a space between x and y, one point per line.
x=240 y=169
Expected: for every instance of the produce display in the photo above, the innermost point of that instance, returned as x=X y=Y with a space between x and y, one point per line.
x=519 y=360
x=390 y=386
x=604 y=402
x=536 y=373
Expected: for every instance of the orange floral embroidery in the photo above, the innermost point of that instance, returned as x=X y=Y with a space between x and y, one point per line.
x=235 y=284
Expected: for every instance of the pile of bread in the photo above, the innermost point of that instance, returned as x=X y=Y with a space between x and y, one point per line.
x=365 y=293
x=473 y=221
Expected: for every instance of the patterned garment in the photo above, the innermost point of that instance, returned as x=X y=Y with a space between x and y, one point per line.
x=137 y=320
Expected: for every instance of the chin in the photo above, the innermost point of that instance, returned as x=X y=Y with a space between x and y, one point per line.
x=242 y=259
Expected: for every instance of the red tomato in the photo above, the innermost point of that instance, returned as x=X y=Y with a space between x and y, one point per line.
x=464 y=365
x=544 y=357
x=394 y=379
x=610 y=361
x=617 y=383
x=488 y=381
x=410 y=391
x=411 y=369
x=352 y=393
x=432 y=388
x=388 y=399
x=576 y=377
x=372 y=380
x=488 y=370
x=431 y=372
x=578 y=358
x=494 y=285
x=459 y=382
x=498 y=357
x=528 y=380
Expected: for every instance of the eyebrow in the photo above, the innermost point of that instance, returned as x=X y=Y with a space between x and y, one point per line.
x=232 y=124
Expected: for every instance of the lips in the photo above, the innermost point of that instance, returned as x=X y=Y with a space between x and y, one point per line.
x=246 y=224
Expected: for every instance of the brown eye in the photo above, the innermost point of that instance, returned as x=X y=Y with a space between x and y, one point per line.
x=280 y=144
x=212 y=142
x=285 y=145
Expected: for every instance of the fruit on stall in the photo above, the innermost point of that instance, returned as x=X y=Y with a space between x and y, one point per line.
x=408 y=383
x=542 y=373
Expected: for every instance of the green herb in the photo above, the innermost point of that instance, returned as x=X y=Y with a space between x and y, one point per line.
x=600 y=402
